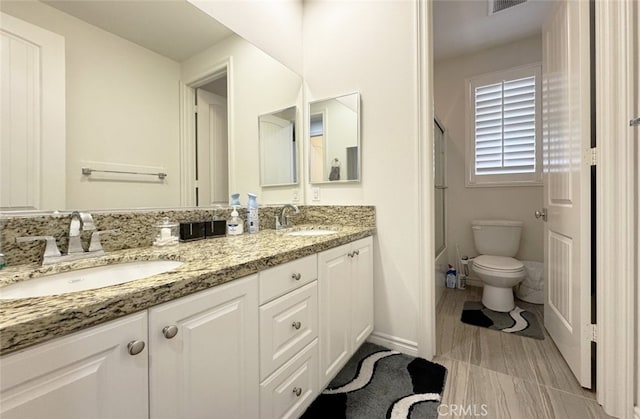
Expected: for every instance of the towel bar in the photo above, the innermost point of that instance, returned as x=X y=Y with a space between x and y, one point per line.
x=87 y=171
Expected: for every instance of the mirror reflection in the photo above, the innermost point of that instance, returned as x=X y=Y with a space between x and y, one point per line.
x=278 y=148
x=334 y=139
x=132 y=73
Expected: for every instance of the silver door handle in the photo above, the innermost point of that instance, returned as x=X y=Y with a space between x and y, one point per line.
x=634 y=122
x=541 y=214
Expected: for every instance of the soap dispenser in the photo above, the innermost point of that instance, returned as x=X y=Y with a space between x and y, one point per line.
x=235 y=225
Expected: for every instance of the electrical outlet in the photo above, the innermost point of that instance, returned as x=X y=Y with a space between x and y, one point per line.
x=316 y=193
x=295 y=197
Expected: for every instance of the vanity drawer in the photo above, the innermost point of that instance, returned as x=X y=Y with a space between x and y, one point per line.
x=281 y=279
x=291 y=389
x=287 y=325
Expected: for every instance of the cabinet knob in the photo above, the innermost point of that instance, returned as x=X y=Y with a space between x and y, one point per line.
x=135 y=347
x=296 y=325
x=296 y=276
x=356 y=252
x=297 y=391
x=350 y=254
x=170 y=332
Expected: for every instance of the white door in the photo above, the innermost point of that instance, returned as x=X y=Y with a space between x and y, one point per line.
x=276 y=150
x=32 y=134
x=212 y=149
x=566 y=143
x=209 y=368
x=89 y=374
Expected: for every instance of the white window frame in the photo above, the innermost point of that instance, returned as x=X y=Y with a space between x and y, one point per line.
x=511 y=179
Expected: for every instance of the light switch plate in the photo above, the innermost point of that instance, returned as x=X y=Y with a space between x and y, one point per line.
x=316 y=194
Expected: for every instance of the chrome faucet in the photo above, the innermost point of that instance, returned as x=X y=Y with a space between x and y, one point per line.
x=80 y=221
x=285 y=220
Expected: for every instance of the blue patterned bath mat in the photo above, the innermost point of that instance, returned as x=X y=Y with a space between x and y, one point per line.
x=517 y=321
x=380 y=383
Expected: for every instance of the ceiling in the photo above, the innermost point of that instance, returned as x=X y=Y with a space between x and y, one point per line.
x=173 y=28
x=463 y=26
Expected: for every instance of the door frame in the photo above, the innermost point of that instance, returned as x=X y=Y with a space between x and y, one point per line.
x=616 y=247
x=616 y=206
x=188 y=127
x=425 y=114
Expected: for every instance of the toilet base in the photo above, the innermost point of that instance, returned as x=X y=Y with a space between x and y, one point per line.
x=498 y=299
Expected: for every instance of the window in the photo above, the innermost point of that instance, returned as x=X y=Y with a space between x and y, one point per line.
x=503 y=128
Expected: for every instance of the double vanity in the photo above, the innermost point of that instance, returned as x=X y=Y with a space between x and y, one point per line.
x=249 y=326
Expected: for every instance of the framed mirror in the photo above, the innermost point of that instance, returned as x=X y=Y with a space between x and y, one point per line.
x=135 y=75
x=334 y=139
x=278 y=151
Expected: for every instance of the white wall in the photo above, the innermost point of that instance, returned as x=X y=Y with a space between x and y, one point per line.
x=274 y=26
x=121 y=106
x=260 y=85
x=465 y=204
x=370 y=47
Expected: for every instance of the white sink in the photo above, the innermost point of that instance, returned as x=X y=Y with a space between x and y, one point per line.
x=86 y=279
x=310 y=233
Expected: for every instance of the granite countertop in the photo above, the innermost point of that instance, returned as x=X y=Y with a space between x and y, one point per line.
x=25 y=322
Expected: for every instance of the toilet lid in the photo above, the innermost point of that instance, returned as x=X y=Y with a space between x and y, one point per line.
x=498 y=263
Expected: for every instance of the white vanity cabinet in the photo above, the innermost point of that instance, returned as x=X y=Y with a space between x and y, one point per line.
x=345 y=289
x=100 y=372
x=262 y=346
x=204 y=354
x=288 y=338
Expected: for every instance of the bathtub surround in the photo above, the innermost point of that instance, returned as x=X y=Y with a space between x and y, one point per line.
x=137 y=228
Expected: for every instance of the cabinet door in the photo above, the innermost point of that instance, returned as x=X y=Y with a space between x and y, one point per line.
x=209 y=369
x=361 y=291
x=89 y=374
x=334 y=286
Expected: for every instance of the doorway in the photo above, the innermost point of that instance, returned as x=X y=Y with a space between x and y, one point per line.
x=456 y=68
x=211 y=142
x=205 y=132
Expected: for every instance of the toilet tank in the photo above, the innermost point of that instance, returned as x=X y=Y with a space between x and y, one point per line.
x=497 y=237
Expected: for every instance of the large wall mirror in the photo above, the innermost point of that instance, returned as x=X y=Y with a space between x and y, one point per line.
x=140 y=79
x=334 y=139
x=278 y=151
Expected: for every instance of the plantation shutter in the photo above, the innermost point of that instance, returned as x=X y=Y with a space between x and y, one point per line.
x=505 y=127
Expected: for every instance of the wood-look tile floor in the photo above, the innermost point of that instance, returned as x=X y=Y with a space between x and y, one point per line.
x=504 y=376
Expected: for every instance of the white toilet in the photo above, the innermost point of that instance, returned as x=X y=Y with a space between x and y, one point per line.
x=497 y=242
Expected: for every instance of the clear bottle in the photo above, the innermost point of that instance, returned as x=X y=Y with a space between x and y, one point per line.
x=235 y=224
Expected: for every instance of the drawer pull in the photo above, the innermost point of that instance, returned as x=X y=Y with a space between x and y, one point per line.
x=296 y=325
x=296 y=276
x=297 y=391
x=135 y=347
x=170 y=332
x=356 y=252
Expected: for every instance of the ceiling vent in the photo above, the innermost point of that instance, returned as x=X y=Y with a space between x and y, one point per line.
x=496 y=6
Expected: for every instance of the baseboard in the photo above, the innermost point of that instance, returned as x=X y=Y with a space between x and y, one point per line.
x=392 y=342
x=474 y=282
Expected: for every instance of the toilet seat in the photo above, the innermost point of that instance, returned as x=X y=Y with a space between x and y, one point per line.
x=498 y=264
